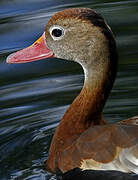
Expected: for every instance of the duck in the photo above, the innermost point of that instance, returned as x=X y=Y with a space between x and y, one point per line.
x=83 y=139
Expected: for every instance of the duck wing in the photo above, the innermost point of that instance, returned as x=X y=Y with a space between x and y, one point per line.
x=109 y=147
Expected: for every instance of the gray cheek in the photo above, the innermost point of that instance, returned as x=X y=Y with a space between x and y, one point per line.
x=63 y=54
x=61 y=49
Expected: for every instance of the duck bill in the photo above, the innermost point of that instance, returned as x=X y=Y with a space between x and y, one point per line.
x=37 y=51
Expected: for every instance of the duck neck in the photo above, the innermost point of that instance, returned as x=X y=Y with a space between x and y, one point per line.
x=86 y=109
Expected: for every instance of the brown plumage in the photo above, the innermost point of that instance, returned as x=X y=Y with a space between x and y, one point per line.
x=83 y=139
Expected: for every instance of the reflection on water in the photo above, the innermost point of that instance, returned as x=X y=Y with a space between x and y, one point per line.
x=34 y=96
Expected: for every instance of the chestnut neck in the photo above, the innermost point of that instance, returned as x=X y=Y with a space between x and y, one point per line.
x=86 y=109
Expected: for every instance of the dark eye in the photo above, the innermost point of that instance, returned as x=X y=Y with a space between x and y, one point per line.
x=57 y=32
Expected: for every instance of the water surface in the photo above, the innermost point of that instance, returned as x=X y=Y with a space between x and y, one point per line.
x=34 y=96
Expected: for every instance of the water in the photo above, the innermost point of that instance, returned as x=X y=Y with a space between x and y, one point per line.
x=34 y=96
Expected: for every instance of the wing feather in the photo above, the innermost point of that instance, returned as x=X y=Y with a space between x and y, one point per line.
x=106 y=147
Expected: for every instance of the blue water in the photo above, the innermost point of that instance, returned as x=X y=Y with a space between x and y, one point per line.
x=34 y=96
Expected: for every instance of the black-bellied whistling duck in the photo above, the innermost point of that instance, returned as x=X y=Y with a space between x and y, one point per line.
x=83 y=139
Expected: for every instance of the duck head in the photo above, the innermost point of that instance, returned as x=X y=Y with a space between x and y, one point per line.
x=78 y=34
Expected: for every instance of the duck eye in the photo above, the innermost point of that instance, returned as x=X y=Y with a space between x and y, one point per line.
x=57 y=32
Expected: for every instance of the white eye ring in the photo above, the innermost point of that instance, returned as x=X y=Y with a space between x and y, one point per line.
x=56 y=32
